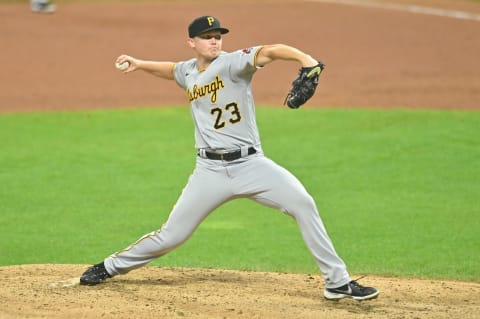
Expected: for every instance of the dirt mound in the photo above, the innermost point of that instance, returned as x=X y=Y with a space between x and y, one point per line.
x=52 y=291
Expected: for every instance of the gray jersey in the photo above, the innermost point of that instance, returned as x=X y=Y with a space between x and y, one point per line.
x=224 y=115
x=221 y=99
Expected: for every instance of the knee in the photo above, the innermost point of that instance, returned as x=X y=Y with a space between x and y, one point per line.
x=302 y=205
x=171 y=239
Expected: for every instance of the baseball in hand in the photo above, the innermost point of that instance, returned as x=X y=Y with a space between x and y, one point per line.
x=122 y=66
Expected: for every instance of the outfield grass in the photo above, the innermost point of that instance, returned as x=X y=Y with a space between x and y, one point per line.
x=397 y=189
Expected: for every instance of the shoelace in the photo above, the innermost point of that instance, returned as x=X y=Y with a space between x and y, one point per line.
x=361 y=277
x=356 y=284
x=102 y=270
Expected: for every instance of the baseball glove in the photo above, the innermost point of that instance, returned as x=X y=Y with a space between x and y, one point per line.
x=303 y=87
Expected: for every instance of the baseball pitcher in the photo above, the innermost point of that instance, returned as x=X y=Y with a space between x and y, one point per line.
x=230 y=161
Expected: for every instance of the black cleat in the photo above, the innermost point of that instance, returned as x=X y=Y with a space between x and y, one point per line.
x=351 y=290
x=94 y=275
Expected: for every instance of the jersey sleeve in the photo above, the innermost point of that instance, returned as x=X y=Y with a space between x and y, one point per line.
x=180 y=71
x=244 y=63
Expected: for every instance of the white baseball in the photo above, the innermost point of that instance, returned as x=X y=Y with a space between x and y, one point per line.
x=122 y=66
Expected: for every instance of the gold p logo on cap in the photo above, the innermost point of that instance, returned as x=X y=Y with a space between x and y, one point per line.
x=203 y=24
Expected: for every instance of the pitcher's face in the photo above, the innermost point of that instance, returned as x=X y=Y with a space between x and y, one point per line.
x=208 y=44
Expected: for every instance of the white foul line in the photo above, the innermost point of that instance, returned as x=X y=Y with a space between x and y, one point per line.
x=409 y=8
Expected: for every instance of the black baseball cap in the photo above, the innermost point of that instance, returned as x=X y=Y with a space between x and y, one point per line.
x=204 y=24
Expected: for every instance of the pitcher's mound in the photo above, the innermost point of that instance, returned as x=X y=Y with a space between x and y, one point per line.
x=52 y=291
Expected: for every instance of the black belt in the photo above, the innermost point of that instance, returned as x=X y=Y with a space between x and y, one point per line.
x=231 y=156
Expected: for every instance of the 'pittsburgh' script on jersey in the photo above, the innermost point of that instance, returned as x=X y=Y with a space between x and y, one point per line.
x=210 y=88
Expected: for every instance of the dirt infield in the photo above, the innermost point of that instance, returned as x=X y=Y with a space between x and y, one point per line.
x=40 y=291
x=375 y=58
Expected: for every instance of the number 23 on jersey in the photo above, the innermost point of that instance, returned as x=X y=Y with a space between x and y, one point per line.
x=231 y=110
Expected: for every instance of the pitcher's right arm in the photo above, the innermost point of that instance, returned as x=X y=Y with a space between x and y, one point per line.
x=161 y=69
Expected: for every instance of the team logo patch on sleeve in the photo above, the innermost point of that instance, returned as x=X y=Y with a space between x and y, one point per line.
x=247 y=50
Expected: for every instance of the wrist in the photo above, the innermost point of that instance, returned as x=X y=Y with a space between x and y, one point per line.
x=308 y=61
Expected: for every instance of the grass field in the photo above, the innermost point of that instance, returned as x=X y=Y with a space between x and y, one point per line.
x=397 y=189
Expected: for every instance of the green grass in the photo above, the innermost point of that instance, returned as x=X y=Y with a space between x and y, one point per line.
x=397 y=189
